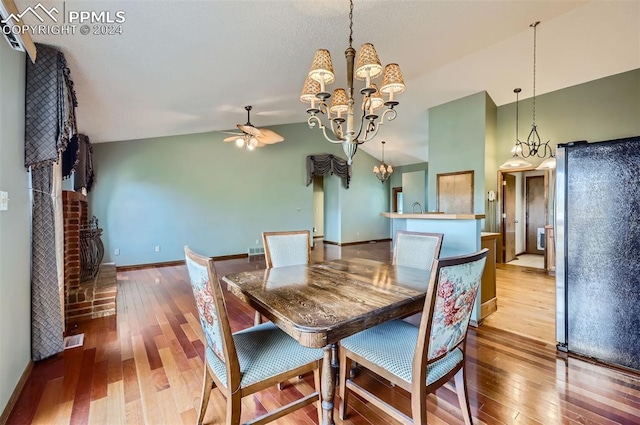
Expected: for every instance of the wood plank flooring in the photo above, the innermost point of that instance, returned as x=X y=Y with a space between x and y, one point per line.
x=526 y=302
x=144 y=366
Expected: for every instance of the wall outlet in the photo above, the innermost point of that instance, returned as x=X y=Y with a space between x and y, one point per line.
x=116 y=251
x=4 y=201
x=157 y=248
x=257 y=242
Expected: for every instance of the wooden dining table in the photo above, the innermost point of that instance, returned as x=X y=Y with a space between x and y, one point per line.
x=319 y=304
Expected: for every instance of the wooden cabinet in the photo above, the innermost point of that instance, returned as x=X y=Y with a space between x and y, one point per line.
x=488 y=298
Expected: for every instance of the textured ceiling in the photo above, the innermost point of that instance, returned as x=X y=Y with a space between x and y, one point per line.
x=185 y=67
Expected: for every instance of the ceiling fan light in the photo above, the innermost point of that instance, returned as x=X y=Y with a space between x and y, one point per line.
x=322 y=67
x=240 y=142
x=368 y=64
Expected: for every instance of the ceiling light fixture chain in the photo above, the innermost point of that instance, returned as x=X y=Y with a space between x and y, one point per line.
x=341 y=112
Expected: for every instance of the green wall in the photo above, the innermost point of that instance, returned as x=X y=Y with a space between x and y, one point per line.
x=196 y=190
x=457 y=137
x=15 y=227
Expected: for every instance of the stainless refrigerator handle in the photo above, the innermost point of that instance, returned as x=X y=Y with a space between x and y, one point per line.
x=560 y=239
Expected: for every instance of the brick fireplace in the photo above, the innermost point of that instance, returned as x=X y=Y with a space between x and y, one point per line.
x=95 y=297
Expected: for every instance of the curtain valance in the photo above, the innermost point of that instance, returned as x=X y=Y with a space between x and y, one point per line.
x=319 y=165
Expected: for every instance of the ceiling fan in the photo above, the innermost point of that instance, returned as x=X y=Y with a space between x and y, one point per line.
x=253 y=137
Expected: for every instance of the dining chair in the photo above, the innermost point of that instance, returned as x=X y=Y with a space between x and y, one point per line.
x=288 y=248
x=247 y=361
x=281 y=249
x=420 y=359
x=416 y=250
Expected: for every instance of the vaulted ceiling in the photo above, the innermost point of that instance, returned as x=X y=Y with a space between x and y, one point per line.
x=183 y=67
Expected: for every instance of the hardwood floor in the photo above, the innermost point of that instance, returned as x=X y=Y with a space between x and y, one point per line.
x=526 y=303
x=144 y=366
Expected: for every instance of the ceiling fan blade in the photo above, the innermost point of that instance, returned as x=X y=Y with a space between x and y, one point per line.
x=232 y=132
x=232 y=138
x=250 y=130
x=269 y=137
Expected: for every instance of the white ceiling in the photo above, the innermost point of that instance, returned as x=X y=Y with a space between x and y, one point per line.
x=185 y=67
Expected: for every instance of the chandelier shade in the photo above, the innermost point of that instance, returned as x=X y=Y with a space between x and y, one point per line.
x=322 y=67
x=309 y=90
x=338 y=119
x=368 y=65
x=392 y=81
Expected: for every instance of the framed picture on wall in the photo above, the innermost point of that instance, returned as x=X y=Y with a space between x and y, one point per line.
x=454 y=192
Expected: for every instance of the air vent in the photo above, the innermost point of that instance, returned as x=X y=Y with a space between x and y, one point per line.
x=256 y=251
x=13 y=41
x=73 y=341
x=20 y=42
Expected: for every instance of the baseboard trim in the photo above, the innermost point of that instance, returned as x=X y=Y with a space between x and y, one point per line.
x=489 y=307
x=357 y=243
x=16 y=393
x=149 y=265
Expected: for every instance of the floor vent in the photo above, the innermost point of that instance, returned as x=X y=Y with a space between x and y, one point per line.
x=256 y=251
x=73 y=341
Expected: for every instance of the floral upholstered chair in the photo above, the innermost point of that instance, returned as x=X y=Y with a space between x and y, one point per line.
x=416 y=250
x=248 y=361
x=420 y=359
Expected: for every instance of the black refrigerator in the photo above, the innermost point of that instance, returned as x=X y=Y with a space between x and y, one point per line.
x=597 y=228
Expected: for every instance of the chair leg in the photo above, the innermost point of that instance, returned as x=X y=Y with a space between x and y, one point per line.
x=257 y=319
x=316 y=383
x=419 y=404
x=234 y=404
x=207 y=385
x=463 y=396
x=345 y=368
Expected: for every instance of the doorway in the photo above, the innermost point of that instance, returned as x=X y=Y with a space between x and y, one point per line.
x=523 y=215
x=318 y=207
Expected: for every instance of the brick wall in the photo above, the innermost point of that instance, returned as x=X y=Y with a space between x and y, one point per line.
x=94 y=298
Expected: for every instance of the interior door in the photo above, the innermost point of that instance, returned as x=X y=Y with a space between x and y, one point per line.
x=534 y=212
x=509 y=217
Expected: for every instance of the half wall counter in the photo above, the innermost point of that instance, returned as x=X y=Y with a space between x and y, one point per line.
x=462 y=235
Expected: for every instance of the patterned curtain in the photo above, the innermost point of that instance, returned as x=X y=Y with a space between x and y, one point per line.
x=319 y=165
x=49 y=124
x=46 y=317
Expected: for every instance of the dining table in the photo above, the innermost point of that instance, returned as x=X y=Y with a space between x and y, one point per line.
x=321 y=303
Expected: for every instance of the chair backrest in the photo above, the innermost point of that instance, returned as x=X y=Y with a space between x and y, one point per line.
x=451 y=295
x=416 y=249
x=290 y=248
x=212 y=309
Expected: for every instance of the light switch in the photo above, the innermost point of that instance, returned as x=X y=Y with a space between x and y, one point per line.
x=4 y=201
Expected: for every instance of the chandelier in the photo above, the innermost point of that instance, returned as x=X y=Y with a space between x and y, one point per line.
x=382 y=171
x=340 y=115
x=533 y=147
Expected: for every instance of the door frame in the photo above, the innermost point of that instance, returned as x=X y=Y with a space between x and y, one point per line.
x=501 y=182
